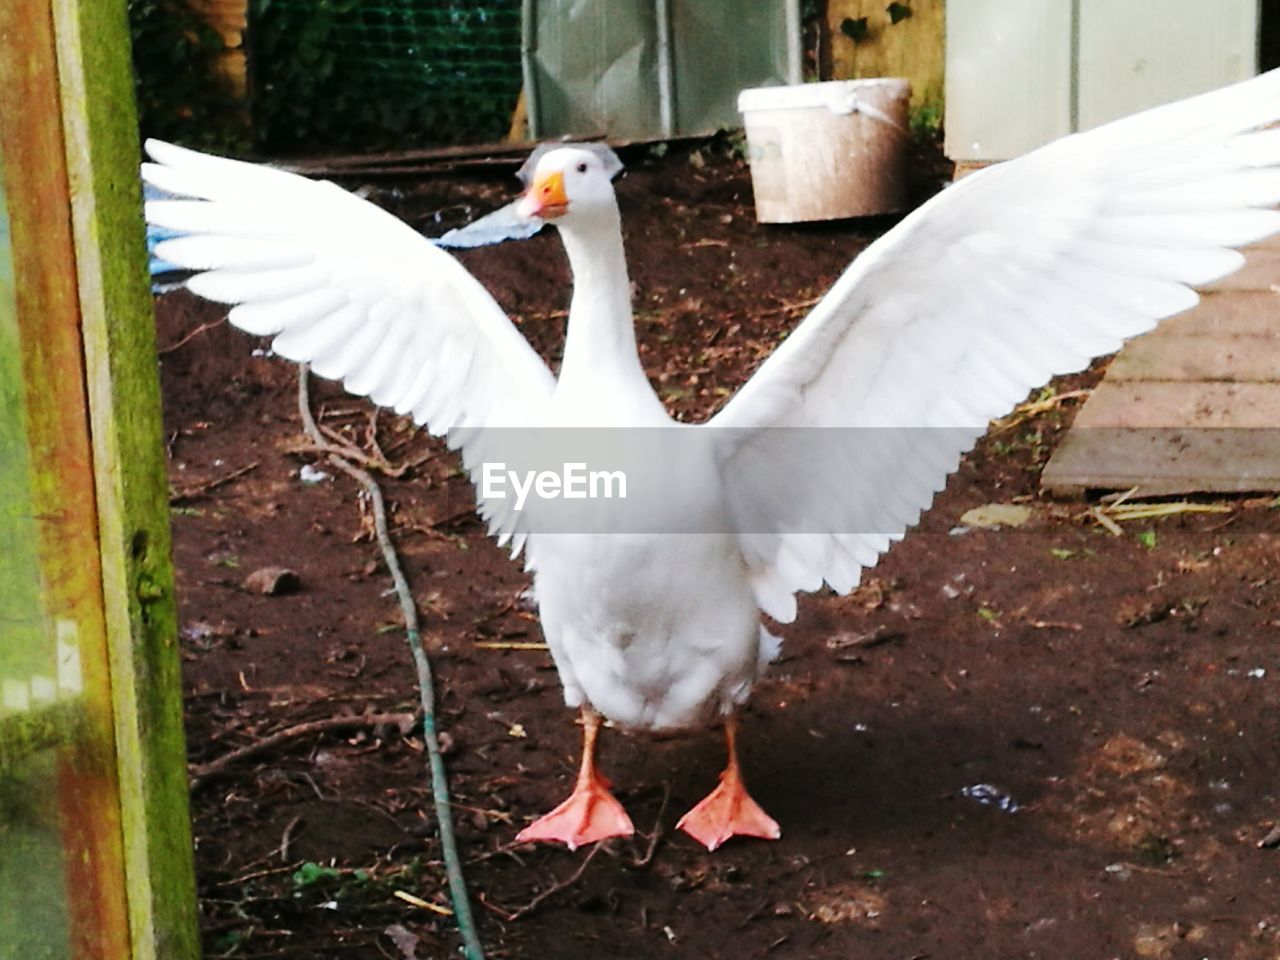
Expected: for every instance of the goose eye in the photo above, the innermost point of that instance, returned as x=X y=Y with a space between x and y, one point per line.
x=582 y=168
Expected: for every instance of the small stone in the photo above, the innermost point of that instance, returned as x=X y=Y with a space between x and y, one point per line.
x=273 y=581
x=1272 y=840
x=312 y=474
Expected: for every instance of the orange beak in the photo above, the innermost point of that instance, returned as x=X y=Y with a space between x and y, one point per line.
x=545 y=198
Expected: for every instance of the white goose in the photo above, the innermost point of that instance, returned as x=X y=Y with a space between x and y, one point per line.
x=1013 y=275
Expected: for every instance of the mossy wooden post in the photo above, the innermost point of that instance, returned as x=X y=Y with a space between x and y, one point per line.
x=83 y=494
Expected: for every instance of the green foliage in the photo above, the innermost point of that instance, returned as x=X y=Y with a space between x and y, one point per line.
x=180 y=94
x=312 y=874
x=1148 y=539
x=382 y=73
x=925 y=121
x=331 y=74
x=229 y=942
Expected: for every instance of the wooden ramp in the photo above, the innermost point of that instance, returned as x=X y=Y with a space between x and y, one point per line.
x=1194 y=406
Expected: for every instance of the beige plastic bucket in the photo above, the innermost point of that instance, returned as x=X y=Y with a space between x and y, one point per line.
x=820 y=151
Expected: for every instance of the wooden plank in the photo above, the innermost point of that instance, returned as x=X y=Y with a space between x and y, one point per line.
x=1169 y=404
x=1261 y=272
x=1243 y=313
x=913 y=48
x=118 y=340
x=48 y=507
x=1193 y=406
x=1232 y=358
x=1168 y=437
x=1164 y=462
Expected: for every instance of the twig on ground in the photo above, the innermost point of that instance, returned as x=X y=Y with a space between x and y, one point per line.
x=1151 y=511
x=350 y=453
x=200 y=489
x=259 y=874
x=202 y=773
x=371 y=435
x=379 y=462
x=432 y=527
x=1033 y=408
x=1118 y=509
x=417 y=901
x=522 y=912
x=786 y=309
x=472 y=949
x=548 y=315
x=287 y=837
x=656 y=834
x=1105 y=522
x=337 y=442
x=506 y=850
x=165 y=351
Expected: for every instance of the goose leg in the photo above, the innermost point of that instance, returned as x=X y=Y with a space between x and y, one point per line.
x=729 y=810
x=591 y=813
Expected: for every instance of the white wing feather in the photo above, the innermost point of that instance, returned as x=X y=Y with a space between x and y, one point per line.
x=1015 y=274
x=352 y=290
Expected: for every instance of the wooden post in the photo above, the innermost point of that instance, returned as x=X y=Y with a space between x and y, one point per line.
x=92 y=665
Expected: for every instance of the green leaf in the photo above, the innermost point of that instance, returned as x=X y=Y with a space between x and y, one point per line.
x=986 y=613
x=231 y=941
x=311 y=873
x=898 y=12
x=1062 y=553
x=856 y=30
x=1148 y=539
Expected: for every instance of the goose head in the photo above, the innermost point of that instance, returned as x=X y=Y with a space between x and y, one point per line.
x=570 y=184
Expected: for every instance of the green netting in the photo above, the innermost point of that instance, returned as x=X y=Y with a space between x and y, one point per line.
x=363 y=74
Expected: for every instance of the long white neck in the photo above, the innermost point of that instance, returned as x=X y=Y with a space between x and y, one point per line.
x=600 y=345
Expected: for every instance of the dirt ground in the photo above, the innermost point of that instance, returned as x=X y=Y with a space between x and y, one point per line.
x=1048 y=741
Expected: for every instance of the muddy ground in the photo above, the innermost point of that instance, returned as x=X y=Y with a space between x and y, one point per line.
x=1049 y=741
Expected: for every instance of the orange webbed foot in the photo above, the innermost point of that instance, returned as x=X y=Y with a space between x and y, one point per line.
x=728 y=811
x=591 y=813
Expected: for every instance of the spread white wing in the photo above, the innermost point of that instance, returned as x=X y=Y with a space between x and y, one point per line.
x=1013 y=275
x=352 y=290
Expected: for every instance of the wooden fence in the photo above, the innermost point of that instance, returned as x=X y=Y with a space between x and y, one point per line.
x=95 y=840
